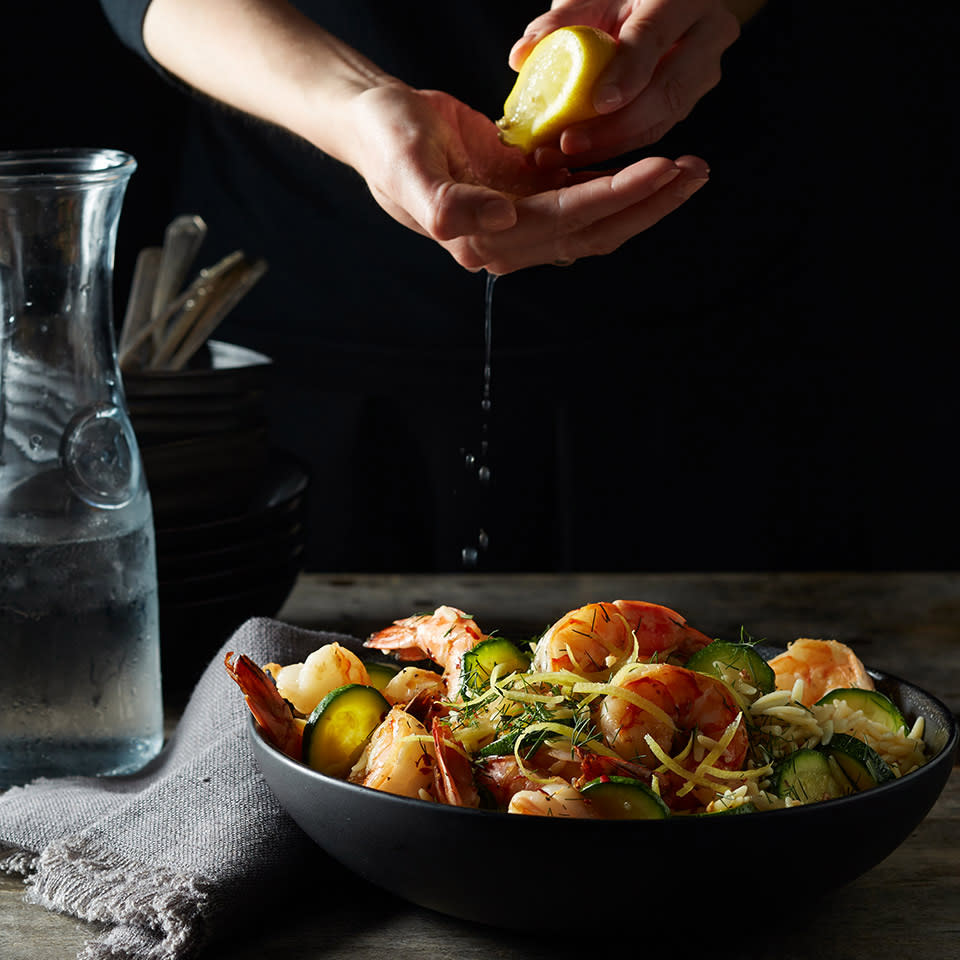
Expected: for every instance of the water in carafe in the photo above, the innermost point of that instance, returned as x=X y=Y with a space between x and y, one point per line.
x=79 y=635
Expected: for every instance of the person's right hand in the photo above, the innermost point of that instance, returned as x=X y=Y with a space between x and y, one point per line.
x=439 y=168
x=668 y=56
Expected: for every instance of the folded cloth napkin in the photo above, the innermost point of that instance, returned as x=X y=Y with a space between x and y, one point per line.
x=168 y=857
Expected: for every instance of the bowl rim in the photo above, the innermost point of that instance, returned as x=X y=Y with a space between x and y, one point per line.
x=945 y=755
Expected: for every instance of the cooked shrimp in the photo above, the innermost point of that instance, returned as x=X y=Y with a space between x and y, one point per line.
x=590 y=641
x=399 y=758
x=443 y=636
x=453 y=781
x=270 y=710
x=594 y=640
x=822 y=665
x=412 y=682
x=556 y=798
x=306 y=684
x=532 y=789
x=668 y=703
x=503 y=777
x=660 y=631
x=594 y=765
x=556 y=758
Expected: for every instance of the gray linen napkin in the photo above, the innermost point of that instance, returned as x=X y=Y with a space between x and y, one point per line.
x=169 y=856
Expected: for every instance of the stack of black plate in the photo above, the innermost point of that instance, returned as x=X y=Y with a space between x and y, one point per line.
x=214 y=575
x=202 y=432
x=229 y=510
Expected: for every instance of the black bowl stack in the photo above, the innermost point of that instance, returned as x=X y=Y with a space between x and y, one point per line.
x=229 y=510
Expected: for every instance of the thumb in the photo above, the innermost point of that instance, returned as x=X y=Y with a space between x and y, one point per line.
x=450 y=209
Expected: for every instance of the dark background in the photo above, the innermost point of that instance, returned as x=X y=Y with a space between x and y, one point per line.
x=871 y=171
x=66 y=81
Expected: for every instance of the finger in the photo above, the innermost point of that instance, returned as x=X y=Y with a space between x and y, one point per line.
x=562 y=15
x=588 y=218
x=683 y=76
x=607 y=235
x=521 y=50
x=549 y=158
x=692 y=67
x=581 y=204
x=448 y=209
x=451 y=210
x=645 y=37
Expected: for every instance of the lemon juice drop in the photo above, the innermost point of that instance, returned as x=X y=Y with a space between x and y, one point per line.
x=477 y=468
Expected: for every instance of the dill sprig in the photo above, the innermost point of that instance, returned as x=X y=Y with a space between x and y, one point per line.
x=747 y=640
x=510 y=711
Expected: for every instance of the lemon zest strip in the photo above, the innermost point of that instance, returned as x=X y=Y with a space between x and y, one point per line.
x=709 y=761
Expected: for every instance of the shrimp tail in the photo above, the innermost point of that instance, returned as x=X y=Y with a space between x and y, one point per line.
x=400 y=639
x=426 y=707
x=272 y=713
x=453 y=781
x=442 y=636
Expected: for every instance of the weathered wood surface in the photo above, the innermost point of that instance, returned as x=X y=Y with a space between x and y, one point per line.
x=906 y=624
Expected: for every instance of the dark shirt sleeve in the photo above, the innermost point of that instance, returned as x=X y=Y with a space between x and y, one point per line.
x=126 y=18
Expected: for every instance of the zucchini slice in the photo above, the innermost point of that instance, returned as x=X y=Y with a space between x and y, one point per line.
x=501 y=747
x=808 y=776
x=479 y=662
x=338 y=729
x=742 y=657
x=506 y=742
x=874 y=705
x=380 y=673
x=862 y=764
x=622 y=798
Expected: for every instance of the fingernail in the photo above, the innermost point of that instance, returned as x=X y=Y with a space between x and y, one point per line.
x=497 y=215
x=692 y=186
x=547 y=158
x=666 y=178
x=607 y=98
x=575 y=141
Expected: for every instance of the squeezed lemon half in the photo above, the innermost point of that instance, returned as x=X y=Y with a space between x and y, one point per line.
x=555 y=86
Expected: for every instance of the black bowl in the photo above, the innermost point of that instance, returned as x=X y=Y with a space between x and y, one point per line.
x=266 y=551
x=203 y=478
x=228 y=371
x=214 y=575
x=426 y=852
x=277 y=503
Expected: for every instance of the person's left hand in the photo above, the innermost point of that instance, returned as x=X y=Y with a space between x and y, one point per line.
x=438 y=167
x=668 y=57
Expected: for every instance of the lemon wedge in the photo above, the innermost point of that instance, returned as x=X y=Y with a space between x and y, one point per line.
x=555 y=86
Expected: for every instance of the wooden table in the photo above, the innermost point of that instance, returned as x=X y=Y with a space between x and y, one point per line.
x=906 y=624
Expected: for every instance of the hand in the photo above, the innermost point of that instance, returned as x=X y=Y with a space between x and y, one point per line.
x=431 y=162
x=668 y=57
x=439 y=168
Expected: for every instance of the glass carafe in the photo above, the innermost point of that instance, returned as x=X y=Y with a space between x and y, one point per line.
x=79 y=635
